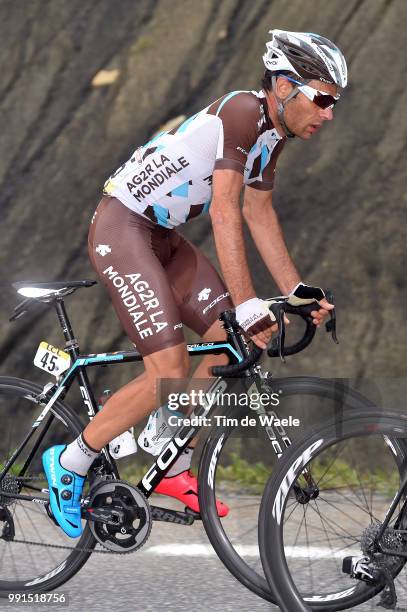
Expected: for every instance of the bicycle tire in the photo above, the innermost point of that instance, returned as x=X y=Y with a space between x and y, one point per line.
x=212 y=452
x=77 y=558
x=271 y=522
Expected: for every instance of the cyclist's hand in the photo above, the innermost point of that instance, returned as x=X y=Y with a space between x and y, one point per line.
x=263 y=338
x=256 y=320
x=319 y=315
x=306 y=294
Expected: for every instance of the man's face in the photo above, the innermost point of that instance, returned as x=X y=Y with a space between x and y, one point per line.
x=304 y=117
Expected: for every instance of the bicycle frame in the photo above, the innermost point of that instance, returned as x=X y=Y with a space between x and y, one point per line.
x=235 y=348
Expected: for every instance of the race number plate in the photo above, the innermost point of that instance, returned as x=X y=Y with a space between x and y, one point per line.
x=51 y=359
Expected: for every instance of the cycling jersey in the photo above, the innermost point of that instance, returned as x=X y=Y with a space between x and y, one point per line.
x=169 y=179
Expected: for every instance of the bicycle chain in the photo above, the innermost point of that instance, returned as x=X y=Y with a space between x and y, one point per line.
x=59 y=546
x=76 y=548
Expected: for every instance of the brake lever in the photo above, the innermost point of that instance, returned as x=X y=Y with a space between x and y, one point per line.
x=278 y=311
x=330 y=325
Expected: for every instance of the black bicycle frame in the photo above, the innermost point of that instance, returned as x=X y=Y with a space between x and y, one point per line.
x=236 y=350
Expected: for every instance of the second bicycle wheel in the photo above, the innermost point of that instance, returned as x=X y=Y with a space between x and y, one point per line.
x=235 y=466
x=35 y=554
x=307 y=542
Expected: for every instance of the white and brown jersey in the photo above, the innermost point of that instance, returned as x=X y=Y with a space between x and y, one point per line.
x=169 y=179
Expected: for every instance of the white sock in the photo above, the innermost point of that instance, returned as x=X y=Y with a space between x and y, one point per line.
x=78 y=456
x=182 y=463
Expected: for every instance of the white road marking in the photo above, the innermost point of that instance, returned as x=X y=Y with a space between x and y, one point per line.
x=246 y=550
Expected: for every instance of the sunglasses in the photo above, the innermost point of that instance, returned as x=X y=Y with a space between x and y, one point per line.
x=320 y=98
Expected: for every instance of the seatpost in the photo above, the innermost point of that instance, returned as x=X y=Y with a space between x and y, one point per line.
x=71 y=342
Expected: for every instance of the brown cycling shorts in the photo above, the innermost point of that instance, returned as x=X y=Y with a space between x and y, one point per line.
x=156 y=279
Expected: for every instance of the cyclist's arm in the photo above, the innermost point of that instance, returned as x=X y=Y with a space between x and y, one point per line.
x=267 y=234
x=227 y=223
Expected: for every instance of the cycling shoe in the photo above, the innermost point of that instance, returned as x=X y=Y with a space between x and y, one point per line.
x=184 y=487
x=65 y=491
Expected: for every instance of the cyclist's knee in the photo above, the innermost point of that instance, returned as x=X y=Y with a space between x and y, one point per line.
x=168 y=363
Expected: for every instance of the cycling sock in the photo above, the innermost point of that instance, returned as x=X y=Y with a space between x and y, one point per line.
x=78 y=456
x=182 y=463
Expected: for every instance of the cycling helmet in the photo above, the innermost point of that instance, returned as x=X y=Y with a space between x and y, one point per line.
x=306 y=55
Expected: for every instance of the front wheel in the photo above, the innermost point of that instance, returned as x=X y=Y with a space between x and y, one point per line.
x=307 y=541
x=236 y=466
x=35 y=554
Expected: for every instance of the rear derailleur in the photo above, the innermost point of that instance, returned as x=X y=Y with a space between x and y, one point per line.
x=375 y=567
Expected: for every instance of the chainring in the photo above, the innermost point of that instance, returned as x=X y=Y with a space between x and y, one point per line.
x=133 y=529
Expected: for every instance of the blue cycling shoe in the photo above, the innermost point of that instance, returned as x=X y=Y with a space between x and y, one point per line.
x=65 y=491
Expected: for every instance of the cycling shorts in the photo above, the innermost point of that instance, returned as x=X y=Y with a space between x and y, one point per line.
x=156 y=279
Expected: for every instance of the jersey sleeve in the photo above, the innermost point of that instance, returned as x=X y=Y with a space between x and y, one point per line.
x=240 y=114
x=267 y=182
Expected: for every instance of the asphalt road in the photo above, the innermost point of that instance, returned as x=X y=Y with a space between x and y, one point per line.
x=175 y=570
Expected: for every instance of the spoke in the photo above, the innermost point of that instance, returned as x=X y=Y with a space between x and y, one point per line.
x=28 y=547
x=344 y=513
x=307 y=541
x=245 y=533
x=299 y=526
x=50 y=550
x=355 y=538
x=19 y=502
x=330 y=465
x=294 y=507
x=349 y=535
x=362 y=488
x=325 y=530
x=356 y=505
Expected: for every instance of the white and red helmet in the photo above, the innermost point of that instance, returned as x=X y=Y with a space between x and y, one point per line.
x=307 y=55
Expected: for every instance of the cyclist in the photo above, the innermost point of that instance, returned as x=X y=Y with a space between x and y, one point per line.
x=158 y=281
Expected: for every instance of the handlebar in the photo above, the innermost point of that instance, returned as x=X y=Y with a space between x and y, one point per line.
x=279 y=308
x=237 y=368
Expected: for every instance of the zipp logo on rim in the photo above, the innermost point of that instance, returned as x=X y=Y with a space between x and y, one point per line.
x=289 y=478
x=331 y=596
x=214 y=459
x=51 y=574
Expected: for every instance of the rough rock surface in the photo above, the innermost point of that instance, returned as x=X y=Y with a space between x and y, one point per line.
x=341 y=197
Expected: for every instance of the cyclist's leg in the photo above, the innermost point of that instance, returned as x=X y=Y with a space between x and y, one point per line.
x=133 y=402
x=133 y=272
x=128 y=260
x=202 y=296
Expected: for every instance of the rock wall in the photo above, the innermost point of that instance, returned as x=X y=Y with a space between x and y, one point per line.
x=341 y=197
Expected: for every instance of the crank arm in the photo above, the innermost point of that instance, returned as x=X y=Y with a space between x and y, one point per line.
x=99 y=515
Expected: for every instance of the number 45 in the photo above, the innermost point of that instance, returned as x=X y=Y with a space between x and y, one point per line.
x=49 y=361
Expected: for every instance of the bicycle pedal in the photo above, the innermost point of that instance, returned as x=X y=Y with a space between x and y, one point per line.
x=49 y=512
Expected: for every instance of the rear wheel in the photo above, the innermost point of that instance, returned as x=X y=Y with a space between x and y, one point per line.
x=35 y=554
x=235 y=466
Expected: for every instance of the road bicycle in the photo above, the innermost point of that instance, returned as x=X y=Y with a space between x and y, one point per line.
x=340 y=539
x=118 y=515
